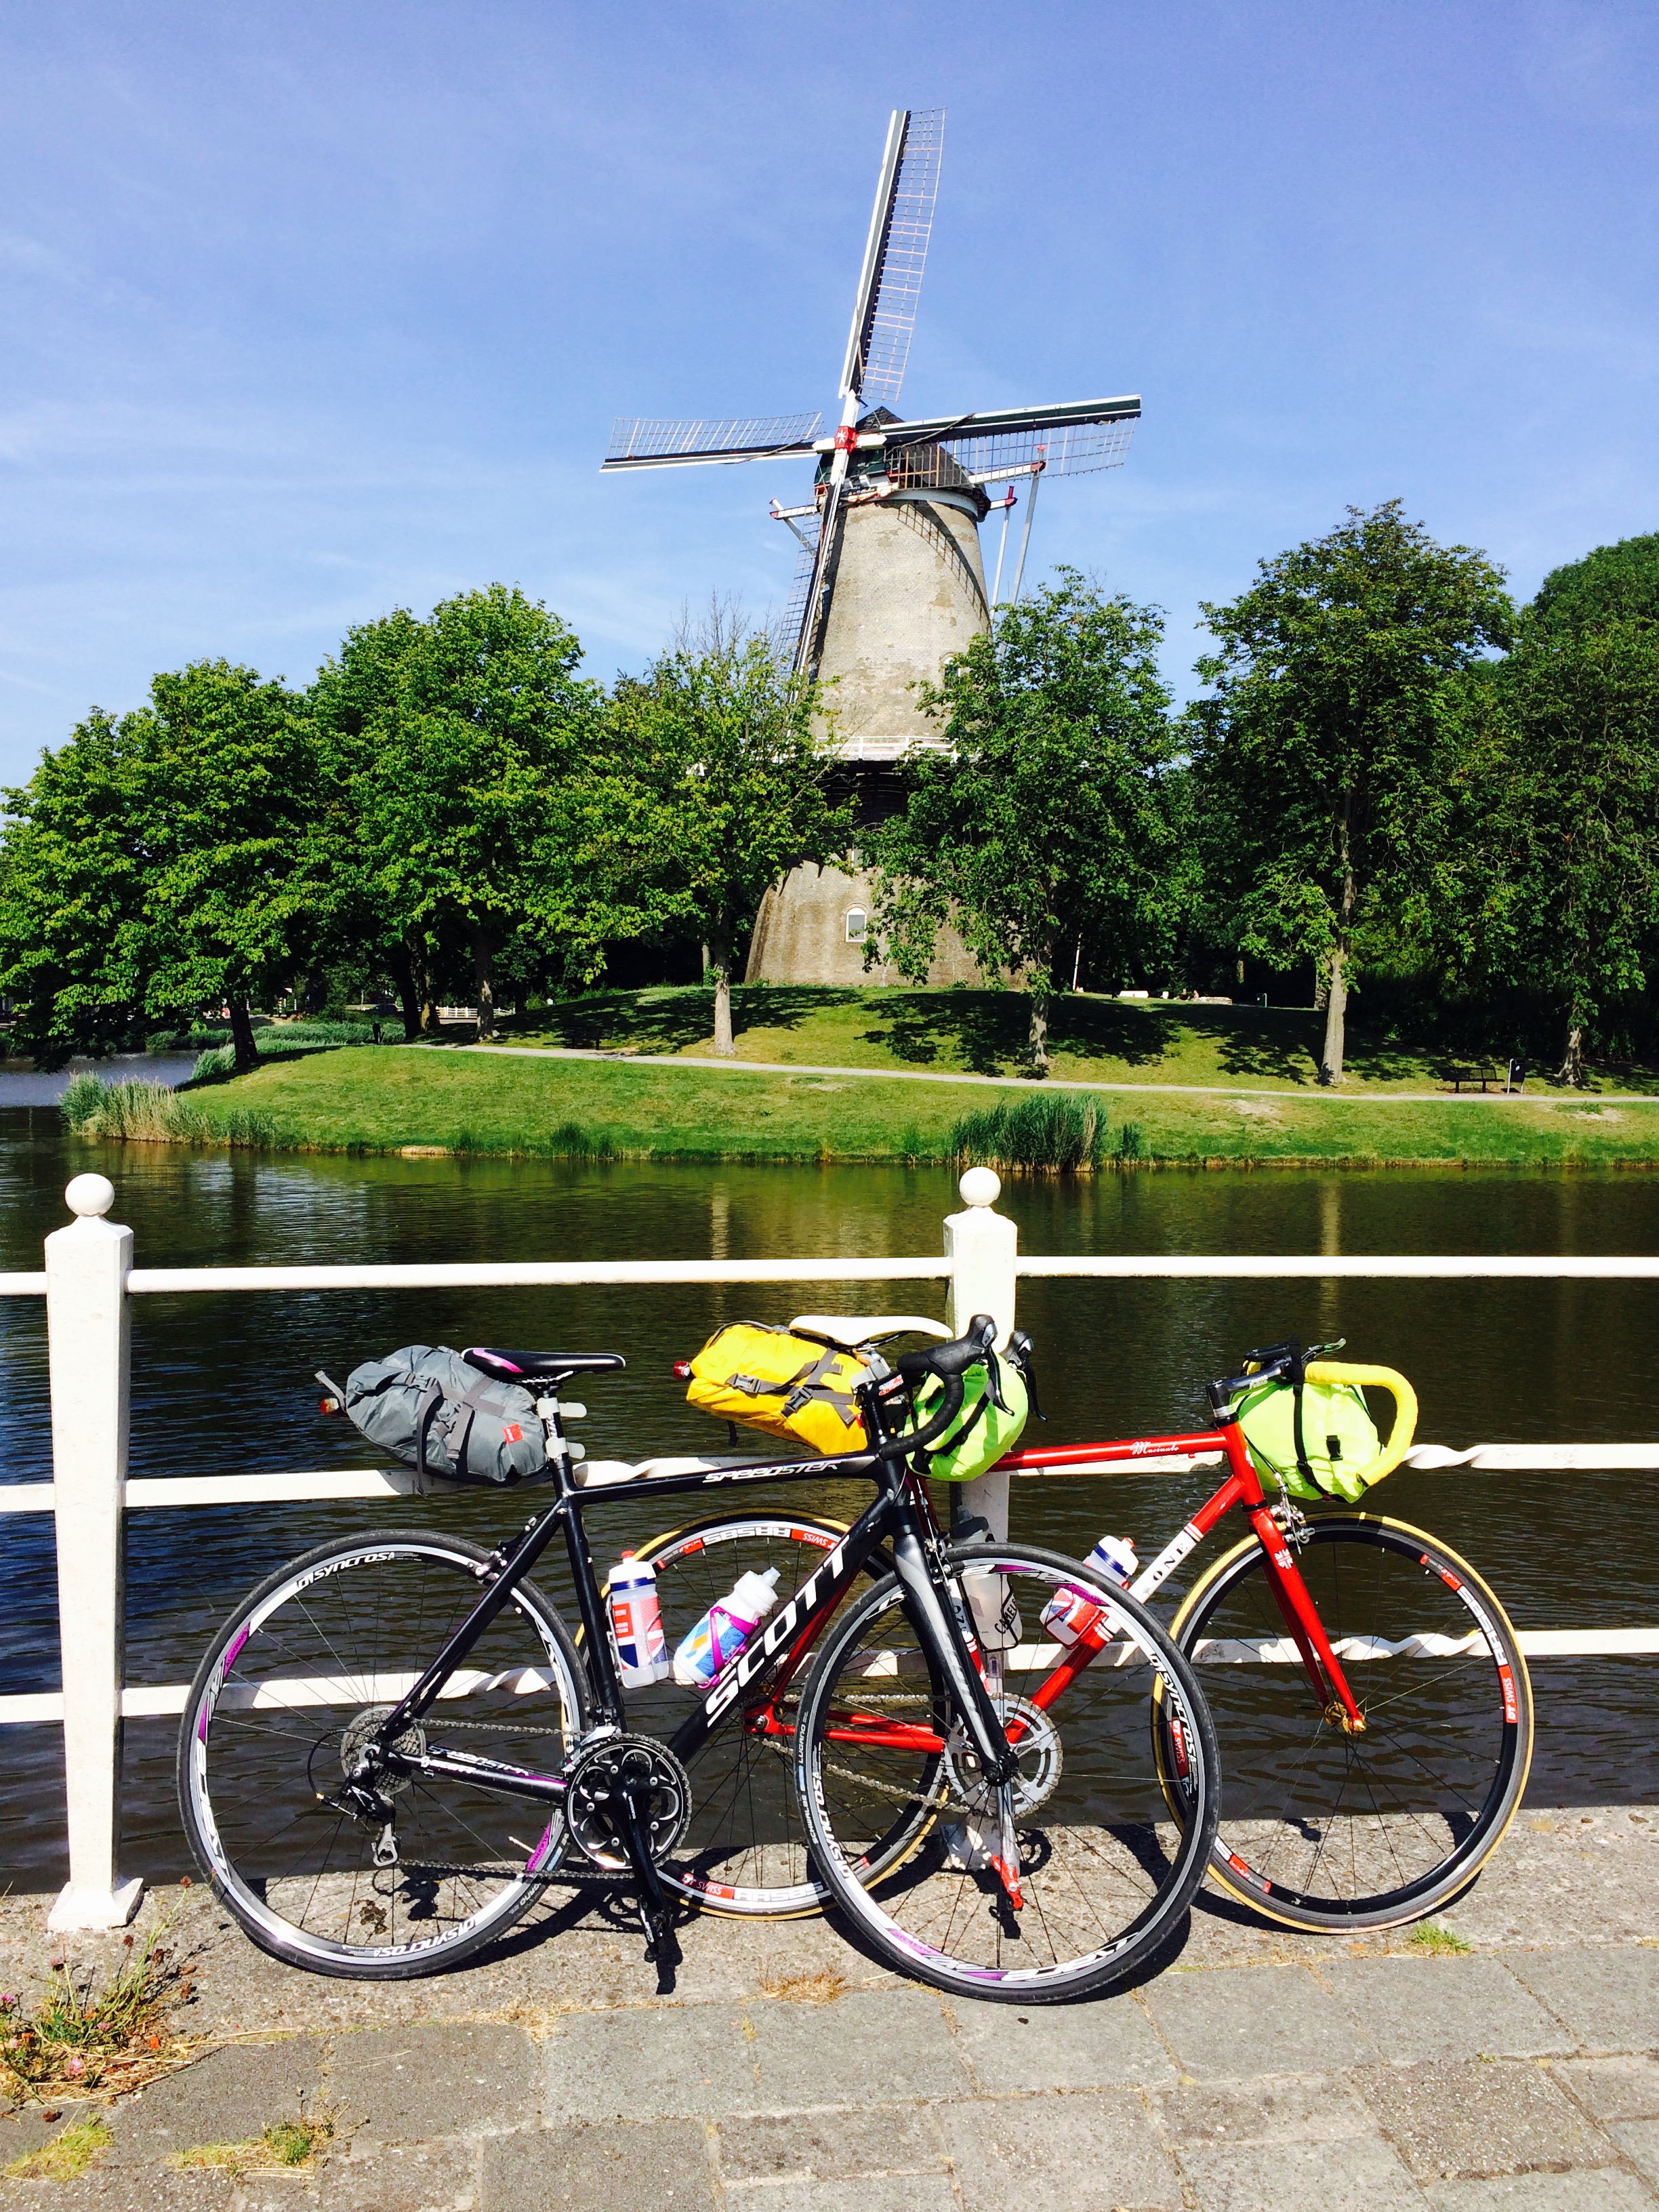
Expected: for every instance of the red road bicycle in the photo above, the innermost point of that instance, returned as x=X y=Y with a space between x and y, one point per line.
x=1370 y=1699
x=1370 y=1695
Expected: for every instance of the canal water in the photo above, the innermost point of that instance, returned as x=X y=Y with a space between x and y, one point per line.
x=223 y=1384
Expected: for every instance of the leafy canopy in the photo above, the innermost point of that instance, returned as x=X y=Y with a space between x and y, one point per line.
x=1318 y=759
x=1044 y=818
x=152 y=865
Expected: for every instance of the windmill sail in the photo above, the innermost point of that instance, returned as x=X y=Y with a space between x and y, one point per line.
x=645 y=444
x=894 y=256
x=1069 y=439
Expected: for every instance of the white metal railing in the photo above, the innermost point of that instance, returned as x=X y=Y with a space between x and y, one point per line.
x=90 y=1281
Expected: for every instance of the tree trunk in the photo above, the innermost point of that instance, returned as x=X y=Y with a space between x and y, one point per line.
x=483 y=973
x=1038 y=1039
x=1572 y=1064
x=403 y=975
x=431 y=1022
x=1336 y=1006
x=241 y=1036
x=720 y=964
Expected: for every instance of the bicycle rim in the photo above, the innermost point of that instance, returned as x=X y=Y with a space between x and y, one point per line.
x=296 y=1677
x=1101 y=1870
x=1325 y=1828
x=745 y=1851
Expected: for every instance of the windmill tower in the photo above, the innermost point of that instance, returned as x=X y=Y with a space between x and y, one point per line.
x=889 y=582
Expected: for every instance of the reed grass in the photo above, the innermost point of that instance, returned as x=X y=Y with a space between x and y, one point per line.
x=149 y=1114
x=1053 y=1132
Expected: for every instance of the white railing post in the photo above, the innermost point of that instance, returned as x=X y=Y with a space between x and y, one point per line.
x=981 y=1246
x=89 y=1346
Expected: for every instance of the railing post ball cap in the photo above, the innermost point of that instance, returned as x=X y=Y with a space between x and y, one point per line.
x=90 y=1195
x=979 y=1187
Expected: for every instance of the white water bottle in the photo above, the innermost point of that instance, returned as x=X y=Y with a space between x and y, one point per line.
x=1070 y=1613
x=725 y=1629
x=636 y=1623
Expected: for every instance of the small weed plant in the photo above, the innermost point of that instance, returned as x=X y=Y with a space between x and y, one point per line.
x=1439 y=1942
x=285 y=2147
x=67 y=2156
x=82 y=2034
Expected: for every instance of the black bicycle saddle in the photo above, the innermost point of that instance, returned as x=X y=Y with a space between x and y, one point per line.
x=539 y=1366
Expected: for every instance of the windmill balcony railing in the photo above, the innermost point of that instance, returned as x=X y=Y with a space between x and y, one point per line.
x=90 y=1281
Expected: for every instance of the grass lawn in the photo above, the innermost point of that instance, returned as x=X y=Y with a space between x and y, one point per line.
x=383 y=1100
x=983 y=1033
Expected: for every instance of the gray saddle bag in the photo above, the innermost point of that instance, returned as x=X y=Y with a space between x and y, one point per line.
x=427 y=1406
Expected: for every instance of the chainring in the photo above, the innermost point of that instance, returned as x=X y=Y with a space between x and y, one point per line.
x=1040 y=1760
x=602 y=1776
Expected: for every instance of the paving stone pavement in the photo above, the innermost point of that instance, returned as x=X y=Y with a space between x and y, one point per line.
x=1261 y=2071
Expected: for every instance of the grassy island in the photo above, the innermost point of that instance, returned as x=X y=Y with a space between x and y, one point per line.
x=1178 y=1086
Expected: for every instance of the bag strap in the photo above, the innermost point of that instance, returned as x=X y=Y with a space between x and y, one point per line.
x=1298 y=1376
x=431 y=1398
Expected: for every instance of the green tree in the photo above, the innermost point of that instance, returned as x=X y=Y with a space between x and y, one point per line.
x=720 y=790
x=1614 y=583
x=193 y=809
x=459 y=748
x=1045 y=820
x=1318 y=757
x=1575 y=836
x=73 y=944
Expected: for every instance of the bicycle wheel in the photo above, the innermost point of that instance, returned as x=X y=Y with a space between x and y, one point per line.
x=1102 y=1870
x=1323 y=1829
x=291 y=1684
x=743 y=1852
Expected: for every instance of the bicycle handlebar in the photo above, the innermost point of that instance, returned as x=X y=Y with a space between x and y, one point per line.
x=947 y=1363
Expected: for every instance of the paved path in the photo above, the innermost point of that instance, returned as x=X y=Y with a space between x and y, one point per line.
x=1260 y=2072
x=1052 y=1083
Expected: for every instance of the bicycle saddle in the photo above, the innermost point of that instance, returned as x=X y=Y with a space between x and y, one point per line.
x=539 y=1366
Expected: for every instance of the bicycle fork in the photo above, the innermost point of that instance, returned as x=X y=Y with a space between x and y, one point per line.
x=952 y=1644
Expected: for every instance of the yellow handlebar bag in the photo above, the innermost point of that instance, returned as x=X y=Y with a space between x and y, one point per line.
x=1319 y=1440
x=783 y=1381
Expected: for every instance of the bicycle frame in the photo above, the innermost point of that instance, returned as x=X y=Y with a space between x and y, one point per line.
x=900 y=1510
x=1242 y=1491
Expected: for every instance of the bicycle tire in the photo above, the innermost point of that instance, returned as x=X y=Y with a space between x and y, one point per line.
x=1101 y=1890
x=745 y=1823
x=305 y=1643
x=1396 y=1822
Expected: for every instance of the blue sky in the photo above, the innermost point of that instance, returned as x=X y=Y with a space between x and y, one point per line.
x=315 y=310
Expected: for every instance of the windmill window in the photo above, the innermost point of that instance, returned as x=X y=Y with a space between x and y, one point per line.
x=858 y=924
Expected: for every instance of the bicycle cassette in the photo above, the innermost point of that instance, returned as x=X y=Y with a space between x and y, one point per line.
x=606 y=1777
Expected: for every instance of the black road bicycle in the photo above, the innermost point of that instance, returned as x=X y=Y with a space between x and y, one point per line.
x=395 y=1746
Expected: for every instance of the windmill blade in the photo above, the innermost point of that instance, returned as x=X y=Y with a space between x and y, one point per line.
x=646 y=444
x=894 y=256
x=1070 y=438
x=1072 y=451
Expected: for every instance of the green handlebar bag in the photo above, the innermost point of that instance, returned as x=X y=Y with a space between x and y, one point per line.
x=984 y=1430
x=1338 y=1448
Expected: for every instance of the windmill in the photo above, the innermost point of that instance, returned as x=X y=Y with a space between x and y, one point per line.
x=889 y=580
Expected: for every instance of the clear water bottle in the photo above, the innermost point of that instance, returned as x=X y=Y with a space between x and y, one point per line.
x=1069 y=1615
x=725 y=1629
x=636 y=1623
x=991 y=1602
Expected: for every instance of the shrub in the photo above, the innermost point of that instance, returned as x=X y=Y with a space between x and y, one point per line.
x=221 y=1060
x=1055 y=1133
x=1131 y=1142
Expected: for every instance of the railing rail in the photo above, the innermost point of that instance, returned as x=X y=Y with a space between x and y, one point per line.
x=88 y=1285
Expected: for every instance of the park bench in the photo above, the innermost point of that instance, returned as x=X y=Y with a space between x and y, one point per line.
x=1485 y=1071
